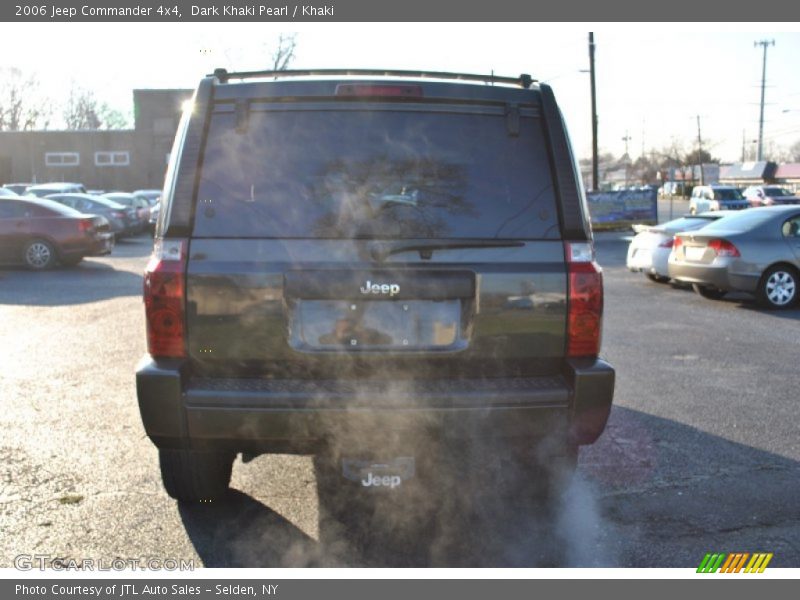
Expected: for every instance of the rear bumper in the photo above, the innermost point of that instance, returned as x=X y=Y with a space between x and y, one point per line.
x=718 y=276
x=182 y=412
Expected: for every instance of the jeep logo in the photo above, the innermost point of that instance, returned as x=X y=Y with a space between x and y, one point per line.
x=390 y=481
x=380 y=288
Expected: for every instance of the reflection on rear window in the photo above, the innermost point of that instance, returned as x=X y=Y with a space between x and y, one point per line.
x=364 y=174
x=742 y=221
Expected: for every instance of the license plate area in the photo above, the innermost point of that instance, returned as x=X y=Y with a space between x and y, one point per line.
x=695 y=253
x=359 y=325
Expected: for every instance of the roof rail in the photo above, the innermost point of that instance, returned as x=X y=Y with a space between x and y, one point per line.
x=523 y=80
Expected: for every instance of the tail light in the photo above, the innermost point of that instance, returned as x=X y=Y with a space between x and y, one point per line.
x=676 y=243
x=585 y=301
x=724 y=248
x=378 y=90
x=164 y=297
x=667 y=243
x=85 y=225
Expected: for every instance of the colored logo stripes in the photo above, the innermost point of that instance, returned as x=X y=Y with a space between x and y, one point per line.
x=735 y=562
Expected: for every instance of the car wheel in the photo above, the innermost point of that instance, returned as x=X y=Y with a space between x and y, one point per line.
x=657 y=278
x=693 y=211
x=39 y=255
x=711 y=293
x=193 y=476
x=778 y=288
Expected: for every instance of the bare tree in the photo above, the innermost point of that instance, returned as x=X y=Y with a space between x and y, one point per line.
x=22 y=106
x=81 y=109
x=794 y=152
x=284 y=53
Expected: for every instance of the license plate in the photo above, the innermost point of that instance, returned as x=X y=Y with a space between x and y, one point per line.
x=695 y=252
x=390 y=325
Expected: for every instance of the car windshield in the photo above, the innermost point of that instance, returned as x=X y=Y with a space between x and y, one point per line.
x=376 y=173
x=727 y=194
x=776 y=192
x=741 y=221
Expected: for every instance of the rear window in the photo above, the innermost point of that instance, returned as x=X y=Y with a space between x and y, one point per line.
x=686 y=223
x=742 y=221
x=49 y=208
x=375 y=174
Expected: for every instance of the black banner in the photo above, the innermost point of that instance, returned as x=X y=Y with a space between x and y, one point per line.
x=679 y=11
x=392 y=589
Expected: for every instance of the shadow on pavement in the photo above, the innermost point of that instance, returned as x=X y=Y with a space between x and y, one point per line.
x=242 y=532
x=89 y=281
x=650 y=493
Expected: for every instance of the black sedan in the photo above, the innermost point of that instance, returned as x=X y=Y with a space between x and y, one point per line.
x=123 y=219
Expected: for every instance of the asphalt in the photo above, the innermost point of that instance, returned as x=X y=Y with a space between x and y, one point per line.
x=701 y=452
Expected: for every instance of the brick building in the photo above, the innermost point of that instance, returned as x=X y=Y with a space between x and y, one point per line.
x=124 y=159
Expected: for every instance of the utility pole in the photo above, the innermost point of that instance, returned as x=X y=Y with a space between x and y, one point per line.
x=642 y=137
x=700 y=151
x=627 y=139
x=764 y=44
x=595 y=175
x=743 y=138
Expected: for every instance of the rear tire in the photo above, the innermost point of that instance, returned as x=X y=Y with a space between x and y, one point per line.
x=710 y=293
x=777 y=289
x=39 y=255
x=194 y=476
x=657 y=278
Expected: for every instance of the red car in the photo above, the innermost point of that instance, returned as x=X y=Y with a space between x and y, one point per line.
x=39 y=233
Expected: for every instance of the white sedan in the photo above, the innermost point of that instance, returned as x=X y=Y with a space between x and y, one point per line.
x=650 y=247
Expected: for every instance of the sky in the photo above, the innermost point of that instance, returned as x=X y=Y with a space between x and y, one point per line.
x=653 y=80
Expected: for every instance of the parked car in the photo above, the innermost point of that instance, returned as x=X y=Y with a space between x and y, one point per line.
x=380 y=278
x=672 y=189
x=152 y=196
x=154 y=212
x=716 y=197
x=140 y=205
x=122 y=219
x=649 y=249
x=769 y=195
x=755 y=251
x=47 y=189
x=39 y=233
x=17 y=188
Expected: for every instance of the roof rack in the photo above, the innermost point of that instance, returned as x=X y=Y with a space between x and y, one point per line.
x=523 y=80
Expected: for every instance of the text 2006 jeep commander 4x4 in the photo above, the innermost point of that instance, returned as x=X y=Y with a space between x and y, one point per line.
x=364 y=256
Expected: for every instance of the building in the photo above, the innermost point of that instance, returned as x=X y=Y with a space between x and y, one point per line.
x=124 y=159
x=748 y=173
x=788 y=175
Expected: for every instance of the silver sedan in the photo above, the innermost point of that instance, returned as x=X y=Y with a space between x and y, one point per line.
x=755 y=251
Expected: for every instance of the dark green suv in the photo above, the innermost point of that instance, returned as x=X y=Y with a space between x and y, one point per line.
x=363 y=259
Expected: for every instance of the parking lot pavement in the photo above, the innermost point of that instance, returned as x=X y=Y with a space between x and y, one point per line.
x=701 y=452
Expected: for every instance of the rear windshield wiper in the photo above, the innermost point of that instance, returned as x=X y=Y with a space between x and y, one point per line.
x=381 y=250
